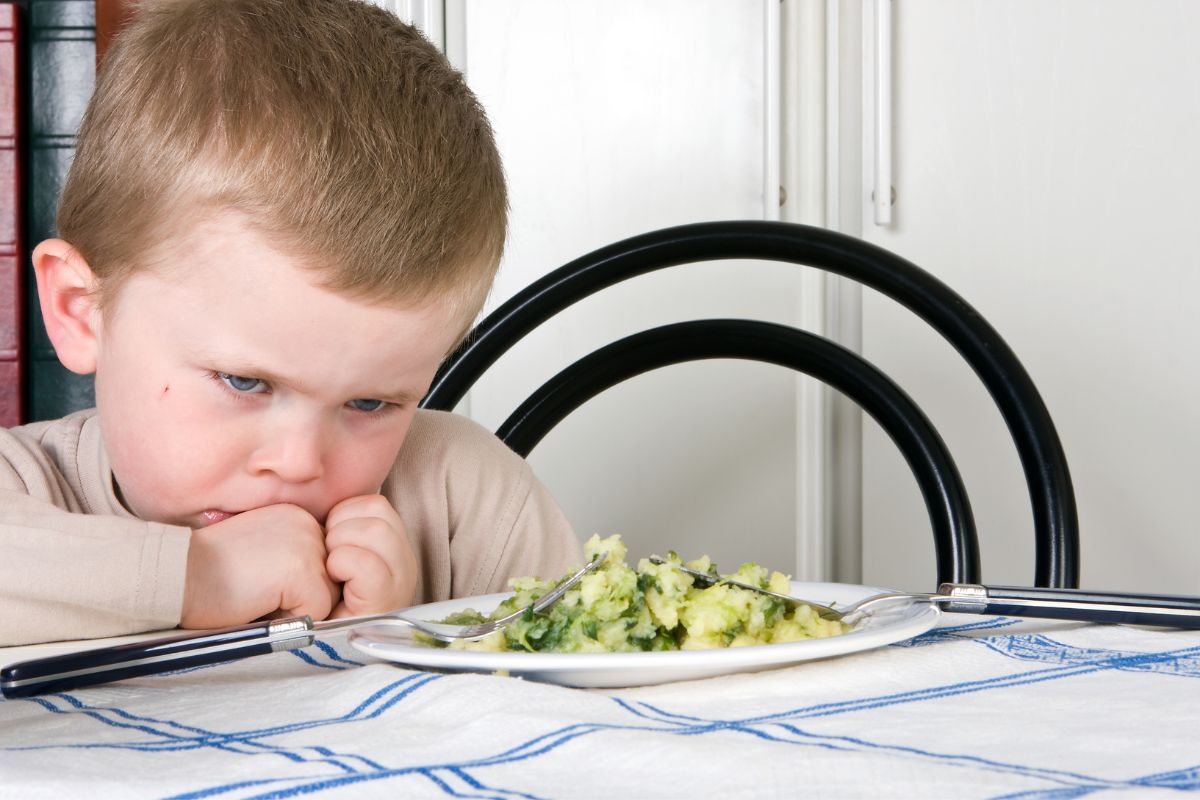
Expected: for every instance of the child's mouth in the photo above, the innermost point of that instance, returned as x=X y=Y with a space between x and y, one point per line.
x=213 y=516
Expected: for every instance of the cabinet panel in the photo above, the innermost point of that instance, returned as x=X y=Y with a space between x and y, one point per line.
x=1045 y=156
x=616 y=118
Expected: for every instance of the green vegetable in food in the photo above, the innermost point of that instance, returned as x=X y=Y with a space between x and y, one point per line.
x=656 y=607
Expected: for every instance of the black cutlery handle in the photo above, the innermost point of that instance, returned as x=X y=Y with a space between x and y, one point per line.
x=106 y=664
x=1075 y=604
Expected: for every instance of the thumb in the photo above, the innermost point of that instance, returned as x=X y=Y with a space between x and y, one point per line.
x=313 y=597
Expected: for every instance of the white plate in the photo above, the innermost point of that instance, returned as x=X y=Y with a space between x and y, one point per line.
x=609 y=670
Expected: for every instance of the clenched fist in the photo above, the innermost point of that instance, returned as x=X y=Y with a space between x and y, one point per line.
x=370 y=555
x=260 y=563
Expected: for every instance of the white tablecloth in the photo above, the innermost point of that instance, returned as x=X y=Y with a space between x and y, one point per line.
x=978 y=707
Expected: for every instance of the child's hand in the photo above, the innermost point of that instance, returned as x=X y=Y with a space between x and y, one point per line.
x=265 y=562
x=370 y=554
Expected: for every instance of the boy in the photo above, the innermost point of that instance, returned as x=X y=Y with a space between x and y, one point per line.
x=281 y=216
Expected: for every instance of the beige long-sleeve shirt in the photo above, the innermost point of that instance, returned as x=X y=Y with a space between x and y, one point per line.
x=76 y=564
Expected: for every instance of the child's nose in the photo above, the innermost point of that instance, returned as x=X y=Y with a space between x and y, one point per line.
x=294 y=454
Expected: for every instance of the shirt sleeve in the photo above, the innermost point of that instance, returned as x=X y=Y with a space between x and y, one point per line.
x=536 y=540
x=474 y=511
x=65 y=574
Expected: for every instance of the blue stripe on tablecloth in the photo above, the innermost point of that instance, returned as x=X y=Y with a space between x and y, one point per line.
x=1053 y=794
x=1187 y=779
x=194 y=738
x=1184 y=659
x=954 y=632
x=1038 y=647
x=329 y=652
x=853 y=743
x=443 y=778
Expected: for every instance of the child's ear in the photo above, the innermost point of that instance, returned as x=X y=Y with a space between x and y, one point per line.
x=67 y=294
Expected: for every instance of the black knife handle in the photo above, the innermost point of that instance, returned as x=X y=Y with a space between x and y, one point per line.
x=106 y=664
x=1084 y=605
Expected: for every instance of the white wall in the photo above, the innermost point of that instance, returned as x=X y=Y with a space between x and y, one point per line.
x=1046 y=158
x=615 y=118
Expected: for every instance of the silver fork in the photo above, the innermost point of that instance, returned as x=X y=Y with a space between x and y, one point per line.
x=1170 y=611
x=106 y=664
x=449 y=633
x=708 y=579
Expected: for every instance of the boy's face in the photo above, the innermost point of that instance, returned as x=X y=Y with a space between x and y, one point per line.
x=226 y=380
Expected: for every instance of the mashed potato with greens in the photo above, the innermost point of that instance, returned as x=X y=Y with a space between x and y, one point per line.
x=655 y=607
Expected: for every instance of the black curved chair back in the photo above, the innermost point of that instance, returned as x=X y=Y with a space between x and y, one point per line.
x=956 y=546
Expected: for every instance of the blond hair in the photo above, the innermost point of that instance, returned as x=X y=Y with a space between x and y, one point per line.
x=337 y=130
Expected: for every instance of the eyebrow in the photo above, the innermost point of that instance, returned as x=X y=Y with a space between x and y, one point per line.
x=246 y=370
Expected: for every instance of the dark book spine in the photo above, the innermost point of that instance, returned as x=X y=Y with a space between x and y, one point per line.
x=11 y=251
x=61 y=69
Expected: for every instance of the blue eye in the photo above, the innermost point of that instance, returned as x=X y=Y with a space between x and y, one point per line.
x=242 y=385
x=366 y=405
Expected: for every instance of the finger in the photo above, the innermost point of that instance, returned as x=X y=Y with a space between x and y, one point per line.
x=348 y=564
x=366 y=578
x=367 y=505
x=368 y=533
x=314 y=597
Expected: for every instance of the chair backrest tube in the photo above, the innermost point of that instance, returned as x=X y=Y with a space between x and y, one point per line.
x=955 y=543
x=1056 y=527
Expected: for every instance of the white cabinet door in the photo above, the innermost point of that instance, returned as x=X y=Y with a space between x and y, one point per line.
x=615 y=118
x=1046 y=165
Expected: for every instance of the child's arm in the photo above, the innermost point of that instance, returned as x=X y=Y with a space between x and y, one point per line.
x=73 y=564
x=70 y=575
x=370 y=553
